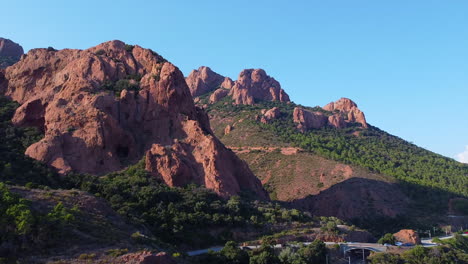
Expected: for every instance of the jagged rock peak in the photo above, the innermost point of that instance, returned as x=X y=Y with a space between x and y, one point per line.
x=203 y=80
x=350 y=109
x=255 y=85
x=111 y=105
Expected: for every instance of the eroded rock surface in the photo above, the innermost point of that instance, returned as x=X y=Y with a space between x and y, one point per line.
x=108 y=106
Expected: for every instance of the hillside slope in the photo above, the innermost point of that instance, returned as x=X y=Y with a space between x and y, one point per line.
x=330 y=161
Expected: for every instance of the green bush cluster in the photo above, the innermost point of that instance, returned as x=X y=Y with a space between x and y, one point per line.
x=15 y=167
x=315 y=252
x=24 y=229
x=179 y=215
x=454 y=251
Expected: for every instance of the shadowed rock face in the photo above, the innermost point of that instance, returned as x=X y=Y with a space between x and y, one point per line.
x=89 y=129
x=357 y=198
x=10 y=52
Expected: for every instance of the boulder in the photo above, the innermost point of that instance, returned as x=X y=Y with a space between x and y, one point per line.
x=270 y=115
x=218 y=95
x=408 y=236
x=228 y=129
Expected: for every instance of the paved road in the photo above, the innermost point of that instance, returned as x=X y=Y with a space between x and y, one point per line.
x=347 y=246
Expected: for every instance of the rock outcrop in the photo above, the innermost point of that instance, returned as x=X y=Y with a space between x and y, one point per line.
x=408 y=236
x=10 y=52
x=218 y=95
x=348 y=108
x=344 y=112
x=270 y=115
x=108 y=106
x=228 y=129
x=255 y=85
x=251 y=86
x=307 y=120
x=204 y=80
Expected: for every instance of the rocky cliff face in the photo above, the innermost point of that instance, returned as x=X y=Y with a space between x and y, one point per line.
x=107 y=106
x=251 y=86
x=255 y=85
x=344 y=112
x=203 y=80
x=307 y=120
x=10 y=52
x=349 y=109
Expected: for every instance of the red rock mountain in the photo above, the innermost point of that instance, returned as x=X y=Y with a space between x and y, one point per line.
x=92 y=127
x=10 y=52
x=344 y=112
x=251 y=86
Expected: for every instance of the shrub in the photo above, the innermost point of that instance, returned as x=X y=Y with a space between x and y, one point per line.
x=100 y=52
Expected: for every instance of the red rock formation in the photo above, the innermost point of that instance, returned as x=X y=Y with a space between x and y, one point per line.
x=204 y=80
x=336 y=121
x=218 y=95
x=350 y=109
x=307 y=120
x=408 y=236
x=227 y=83
x=228 y=129
x=256 y=85
x=90 y=130
x=270 y=115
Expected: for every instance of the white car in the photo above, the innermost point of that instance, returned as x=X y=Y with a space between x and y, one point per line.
x=399 y=244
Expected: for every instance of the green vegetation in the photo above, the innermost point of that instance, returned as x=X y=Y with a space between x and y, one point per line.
x=179 y=215
x=372 y=149
x=453 y=251
x=265 y=254
x=27 y=230
x=100 y=52
x=130 y=83
x=6 y=61
x=387 y=239
x=460 y=206
x=15 y=167
x=129 y=48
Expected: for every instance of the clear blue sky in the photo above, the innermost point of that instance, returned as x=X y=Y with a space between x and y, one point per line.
x=404 y=62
